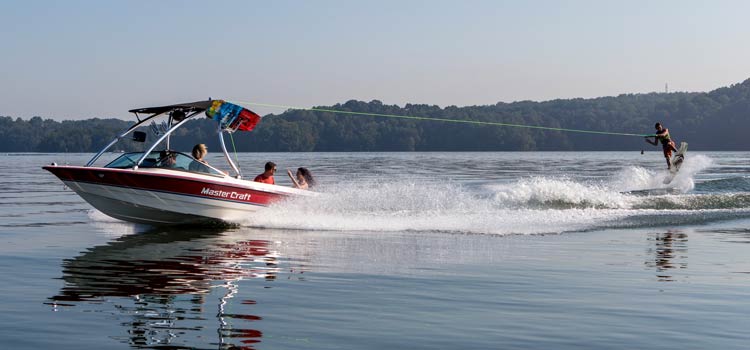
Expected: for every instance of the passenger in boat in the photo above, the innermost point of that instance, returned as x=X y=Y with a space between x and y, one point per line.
x=667 y=144
x=267 y=176
x=199 y=164
x=303 y=179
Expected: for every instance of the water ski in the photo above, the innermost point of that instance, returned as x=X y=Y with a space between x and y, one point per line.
x=676 y=161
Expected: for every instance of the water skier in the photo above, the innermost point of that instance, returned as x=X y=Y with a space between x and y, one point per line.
x=667 y=144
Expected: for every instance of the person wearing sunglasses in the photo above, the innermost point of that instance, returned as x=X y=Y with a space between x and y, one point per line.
x=267 y=176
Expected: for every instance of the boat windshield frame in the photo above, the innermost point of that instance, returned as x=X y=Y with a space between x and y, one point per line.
x=158 y=159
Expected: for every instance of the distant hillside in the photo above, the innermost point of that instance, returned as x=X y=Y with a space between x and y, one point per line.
x=716 y=120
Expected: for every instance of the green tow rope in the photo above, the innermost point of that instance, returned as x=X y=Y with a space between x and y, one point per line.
x=475 y=122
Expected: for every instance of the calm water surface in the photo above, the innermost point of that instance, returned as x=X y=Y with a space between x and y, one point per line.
x=404 y=251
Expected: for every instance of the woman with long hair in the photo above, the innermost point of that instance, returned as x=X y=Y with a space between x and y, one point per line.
x=303 y=179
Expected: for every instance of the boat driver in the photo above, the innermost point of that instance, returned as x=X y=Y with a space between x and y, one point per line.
x=168 y=159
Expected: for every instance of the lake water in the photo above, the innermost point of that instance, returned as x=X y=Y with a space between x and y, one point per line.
x=403 y=251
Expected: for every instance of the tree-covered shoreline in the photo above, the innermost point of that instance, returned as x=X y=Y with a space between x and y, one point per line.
x=715 y=120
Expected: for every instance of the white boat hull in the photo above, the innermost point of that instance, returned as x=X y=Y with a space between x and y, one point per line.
x=163 y=197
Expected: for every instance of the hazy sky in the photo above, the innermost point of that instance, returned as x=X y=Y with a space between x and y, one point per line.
x=83 y=59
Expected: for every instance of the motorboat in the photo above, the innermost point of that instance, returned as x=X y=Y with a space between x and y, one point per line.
x=164 y=186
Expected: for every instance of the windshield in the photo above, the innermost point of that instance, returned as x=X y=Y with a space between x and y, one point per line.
x=163 y=159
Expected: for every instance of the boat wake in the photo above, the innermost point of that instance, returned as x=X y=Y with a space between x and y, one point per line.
x=536 y=205
x=415 y=207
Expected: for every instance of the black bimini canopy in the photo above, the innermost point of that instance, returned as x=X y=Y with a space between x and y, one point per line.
x=189 y=107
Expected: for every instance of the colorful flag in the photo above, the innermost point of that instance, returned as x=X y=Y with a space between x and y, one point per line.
x=232 y=117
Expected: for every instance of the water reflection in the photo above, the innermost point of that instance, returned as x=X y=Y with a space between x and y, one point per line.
x=165 y=287
x=734 y=235
x=669 y=252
